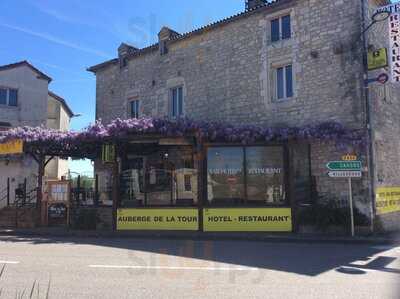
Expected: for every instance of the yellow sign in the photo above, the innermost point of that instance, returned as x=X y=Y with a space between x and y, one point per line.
x=387 y=200
x=349 y=157
x=108 y=153
x=377 y=59
x=248 y=220
x=12 y=147
x=157 y=219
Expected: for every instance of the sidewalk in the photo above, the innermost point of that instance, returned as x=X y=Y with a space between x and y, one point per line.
x=393 y=239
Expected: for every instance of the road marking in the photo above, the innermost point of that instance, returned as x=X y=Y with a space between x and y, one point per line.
x=9 y=262
x=174 y=268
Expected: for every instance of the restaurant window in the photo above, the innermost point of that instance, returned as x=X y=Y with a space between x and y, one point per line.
x=246 y=176
x=134 y=109
x=160 y=178
x=225 y=175
x=265 y=175
x=281 y=28
x=9 y=97
x=284 y=82
x=176 y=102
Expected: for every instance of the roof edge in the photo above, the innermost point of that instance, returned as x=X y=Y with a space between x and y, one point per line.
x=63 y=103
x=203 y=29
x=26 y=63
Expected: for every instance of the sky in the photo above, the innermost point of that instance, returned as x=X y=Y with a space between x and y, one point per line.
x=63 y=38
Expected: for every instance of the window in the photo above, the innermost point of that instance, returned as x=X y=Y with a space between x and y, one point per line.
x=281 y=28
x=157 y=178
x=12 y=97
x=176 y=105
x=251 y=175
x=225 y=175
x=284 y=82
x=8 y=97
x=134 y=108
x=265 y=175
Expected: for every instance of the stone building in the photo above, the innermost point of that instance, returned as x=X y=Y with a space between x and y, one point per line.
x=279 y=63
x=25 y=100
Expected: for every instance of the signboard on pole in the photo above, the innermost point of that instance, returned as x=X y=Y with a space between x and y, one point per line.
x=345 y=174
x=377 y=59
x=348 y=168
x=344 y=165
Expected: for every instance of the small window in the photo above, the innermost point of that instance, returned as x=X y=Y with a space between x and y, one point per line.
x=12 y=97
x=188 y=182
x=9 y=97
x=176 y=106
x=135 y=106
x=275 y=30
x=286 y=30
x=284 y=82
x=281 y=28
x=3 y=96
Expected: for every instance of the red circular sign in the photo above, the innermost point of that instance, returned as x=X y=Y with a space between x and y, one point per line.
x=382 y=78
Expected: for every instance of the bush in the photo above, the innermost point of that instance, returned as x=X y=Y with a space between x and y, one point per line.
x=329 y=214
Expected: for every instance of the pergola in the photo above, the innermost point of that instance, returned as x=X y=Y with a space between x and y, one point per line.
x=43 y=144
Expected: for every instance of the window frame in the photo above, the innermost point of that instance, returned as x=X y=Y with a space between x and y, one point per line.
x=280 y=18
x=137 y=107
x=8 y=91
x=178 y=105
x=245 y=204
x=275 y=70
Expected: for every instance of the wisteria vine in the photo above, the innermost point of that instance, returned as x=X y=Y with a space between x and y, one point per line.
x=119 y=129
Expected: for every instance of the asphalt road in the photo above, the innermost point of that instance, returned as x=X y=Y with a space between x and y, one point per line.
x=135 y=268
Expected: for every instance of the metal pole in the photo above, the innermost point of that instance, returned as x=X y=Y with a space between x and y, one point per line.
x=351 y=208
x=96 y=190
x=25 y=193
x=8 y=192
x=78 y=190
x=368 y=120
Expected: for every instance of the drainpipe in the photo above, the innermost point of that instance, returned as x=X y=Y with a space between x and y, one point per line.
x=369 y=116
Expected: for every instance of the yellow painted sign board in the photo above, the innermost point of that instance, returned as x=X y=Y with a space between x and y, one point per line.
x=377 y=59
x=387 y=200
x=158 y=219
x=12 y=147
x=108 y=153
x=248 y=220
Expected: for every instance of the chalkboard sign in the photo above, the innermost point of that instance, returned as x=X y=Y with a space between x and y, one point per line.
x=57 y=214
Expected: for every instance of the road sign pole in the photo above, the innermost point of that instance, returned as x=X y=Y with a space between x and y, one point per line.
x=351 y=208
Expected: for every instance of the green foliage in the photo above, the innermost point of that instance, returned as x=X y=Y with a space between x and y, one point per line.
x=86 y=182
x=324 y=215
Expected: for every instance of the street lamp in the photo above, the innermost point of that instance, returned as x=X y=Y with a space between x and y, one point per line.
x=377 y=17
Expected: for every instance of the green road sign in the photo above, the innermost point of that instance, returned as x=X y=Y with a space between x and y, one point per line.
x=344 y=165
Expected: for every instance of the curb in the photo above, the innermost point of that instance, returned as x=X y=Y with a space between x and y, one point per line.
x=260 y=237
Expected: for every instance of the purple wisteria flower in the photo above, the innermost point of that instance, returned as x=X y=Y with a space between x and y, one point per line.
x=98 y=133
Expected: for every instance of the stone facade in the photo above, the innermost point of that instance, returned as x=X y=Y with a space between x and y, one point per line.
x=385 y=104
x=226 y=71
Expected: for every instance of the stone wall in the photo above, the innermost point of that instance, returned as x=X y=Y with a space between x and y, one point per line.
x=385 y=102
x=227 y=74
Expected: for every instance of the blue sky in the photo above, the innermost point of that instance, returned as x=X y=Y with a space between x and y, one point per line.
x=63 y=38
